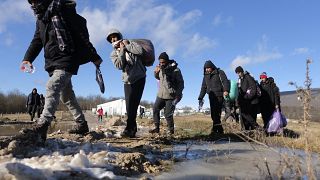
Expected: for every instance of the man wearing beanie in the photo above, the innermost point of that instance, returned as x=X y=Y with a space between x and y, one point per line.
x=126 y=56
x=270 y=98
x=171 y=85
x=216 y=84
x=247 y=99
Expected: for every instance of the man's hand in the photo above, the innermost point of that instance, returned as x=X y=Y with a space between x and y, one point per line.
x=157 y=69
x=97 y=62
x=225 y=93
x=25 y=62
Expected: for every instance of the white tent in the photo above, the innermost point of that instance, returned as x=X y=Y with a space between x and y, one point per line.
x=116 y=107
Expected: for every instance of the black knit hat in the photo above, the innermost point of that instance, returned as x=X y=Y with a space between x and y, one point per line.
x=164 y=56
x=239 y=69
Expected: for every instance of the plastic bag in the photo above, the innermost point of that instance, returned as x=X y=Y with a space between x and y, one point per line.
x=283 y=120
x=99 y=79
x=276 y=122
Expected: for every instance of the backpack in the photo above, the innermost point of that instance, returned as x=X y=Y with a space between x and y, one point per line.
x=148 y=56
x=84 y=49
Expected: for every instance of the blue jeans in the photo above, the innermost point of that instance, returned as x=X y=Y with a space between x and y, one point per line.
x=59 y=86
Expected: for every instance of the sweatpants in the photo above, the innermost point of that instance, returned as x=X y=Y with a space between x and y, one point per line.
x=59 y=86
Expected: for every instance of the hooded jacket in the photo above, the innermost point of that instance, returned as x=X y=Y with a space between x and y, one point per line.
x=128 y=60
x=270 y=96
x=171 y=83
x=215 y=82
x=247 y=89
x=33 y=98
x=45 y=37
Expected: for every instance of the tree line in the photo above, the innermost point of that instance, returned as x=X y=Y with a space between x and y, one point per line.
x=15 y=102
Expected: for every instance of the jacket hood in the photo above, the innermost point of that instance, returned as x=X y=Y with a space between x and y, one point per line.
x=270 y=79
x=209 y=64
x=114 y=31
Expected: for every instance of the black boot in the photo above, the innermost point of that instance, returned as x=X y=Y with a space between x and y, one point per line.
x=156 y=129
x=80 y=128
x=128 y=133
x=39 y=130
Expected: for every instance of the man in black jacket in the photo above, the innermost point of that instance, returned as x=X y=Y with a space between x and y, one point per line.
x=247 y=99
x=270 y=98
x=33 y=103
x=216 y=84
x=55 y=32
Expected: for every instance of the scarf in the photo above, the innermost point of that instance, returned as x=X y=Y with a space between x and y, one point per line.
x=53 y=14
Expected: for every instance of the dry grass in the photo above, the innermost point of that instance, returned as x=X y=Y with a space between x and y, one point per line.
x=199 y=126
x=292 y=137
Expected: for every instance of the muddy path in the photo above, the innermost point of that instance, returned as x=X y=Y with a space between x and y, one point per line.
x=103 y=154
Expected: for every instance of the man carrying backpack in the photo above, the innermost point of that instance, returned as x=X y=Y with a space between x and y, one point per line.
x=247 y=99
x=216 y=84
x=171 y=85
x=127 y=57
x=270 y=98
x=56 y=33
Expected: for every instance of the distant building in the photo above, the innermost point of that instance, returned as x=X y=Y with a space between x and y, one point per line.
x=116 y=108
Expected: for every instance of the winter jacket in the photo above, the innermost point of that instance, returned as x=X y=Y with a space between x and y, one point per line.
x=129 y=61
x=100 y=112
x=270 y=96
x=171 y=83
x=33 y=99
x=215 y=82
x=45 y=37
x=247 y=89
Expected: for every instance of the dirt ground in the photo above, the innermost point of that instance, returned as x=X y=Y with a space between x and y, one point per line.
x=153 y=156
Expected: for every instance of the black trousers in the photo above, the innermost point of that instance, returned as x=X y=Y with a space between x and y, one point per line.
x=32 y=109
x=133 y=93
x=168 y=112
x=249 y=115
x=266 y=113
x=216 y=103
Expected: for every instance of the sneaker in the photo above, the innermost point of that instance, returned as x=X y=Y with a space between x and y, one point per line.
x=80 y=128
x=155 y=130
x=38 y=129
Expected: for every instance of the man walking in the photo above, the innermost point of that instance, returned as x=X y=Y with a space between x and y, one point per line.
x=171 y=85
x=247 y=99
x=64 y=38
x=270 y=98
x=216 y=84
x=126 y=56
x=33 y=103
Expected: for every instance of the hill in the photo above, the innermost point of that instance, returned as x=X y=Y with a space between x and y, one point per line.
x=292 y=107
